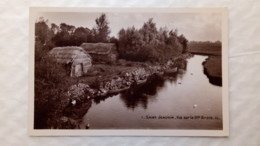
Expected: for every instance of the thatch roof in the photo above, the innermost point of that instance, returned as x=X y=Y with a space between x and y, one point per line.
x=98 y=48
x=70 y=54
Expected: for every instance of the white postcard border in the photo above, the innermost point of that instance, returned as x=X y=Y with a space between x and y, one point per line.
x=130 y=132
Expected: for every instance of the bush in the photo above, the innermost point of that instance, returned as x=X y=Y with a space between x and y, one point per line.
x=49 y=83
x=149 y=44
x=49 y=80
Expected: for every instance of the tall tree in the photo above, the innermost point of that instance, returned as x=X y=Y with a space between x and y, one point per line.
x=184 y=42
x=42 y=31
x=101 y=31
x=150 y=44
x=55 y=28
x=64 y=36
x=80 y=36
x=43 y=38
x=149 y=31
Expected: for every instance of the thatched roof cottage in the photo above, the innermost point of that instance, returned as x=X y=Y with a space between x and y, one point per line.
x=76 y=59
x=101 y=52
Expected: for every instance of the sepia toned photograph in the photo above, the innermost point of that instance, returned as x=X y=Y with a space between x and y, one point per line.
x=115 y=71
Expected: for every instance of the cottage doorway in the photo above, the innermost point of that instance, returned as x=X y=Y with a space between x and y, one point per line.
x=68 y=68
x=78 y=70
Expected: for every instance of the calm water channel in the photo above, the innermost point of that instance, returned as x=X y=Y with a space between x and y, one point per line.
x=179 y=101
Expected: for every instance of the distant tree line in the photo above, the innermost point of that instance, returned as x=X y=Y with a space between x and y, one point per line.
x=216 y=44
x=69 y=35
x=207 y=47
x=150 y=44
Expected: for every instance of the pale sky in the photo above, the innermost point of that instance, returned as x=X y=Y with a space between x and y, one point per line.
x=194 y=26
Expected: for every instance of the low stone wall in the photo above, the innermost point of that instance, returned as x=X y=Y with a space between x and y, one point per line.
x=123 y=81
x=80 y=94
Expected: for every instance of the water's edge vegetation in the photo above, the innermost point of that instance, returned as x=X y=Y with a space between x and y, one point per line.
x=213 y=70
x=212 y=65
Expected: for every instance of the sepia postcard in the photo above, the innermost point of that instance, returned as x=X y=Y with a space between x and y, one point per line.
x=128 y=72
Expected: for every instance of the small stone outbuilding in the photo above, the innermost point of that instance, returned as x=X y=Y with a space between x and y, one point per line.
x=75 y=59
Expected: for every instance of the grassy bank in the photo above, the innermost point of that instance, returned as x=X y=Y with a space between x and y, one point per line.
x=102 y=72
x=213 y=70
x=212 y=65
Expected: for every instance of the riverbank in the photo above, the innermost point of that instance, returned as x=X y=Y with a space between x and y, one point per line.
x=212 y=65
x=102 y=81
x=213 y=70
x=108 y=79
x=160 y=94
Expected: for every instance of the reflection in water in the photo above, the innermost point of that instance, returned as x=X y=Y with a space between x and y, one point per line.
x=73 y=115
x=181 y=70
x=182 y=65
x=78 y=110
x=139 y=94
x=173 y=94
x=98 y=99
x=142 y=94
